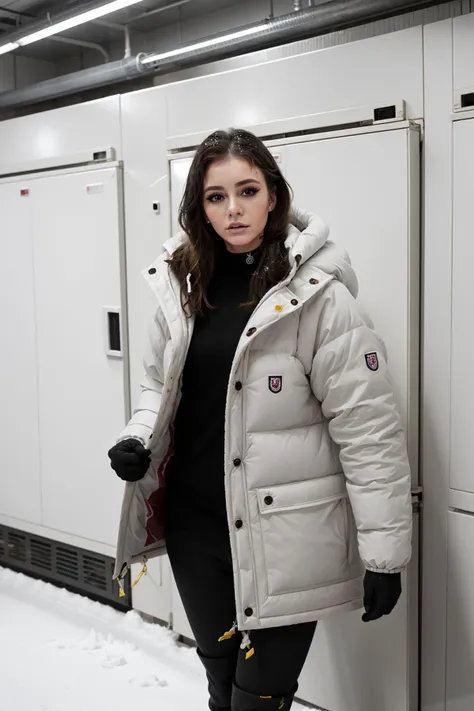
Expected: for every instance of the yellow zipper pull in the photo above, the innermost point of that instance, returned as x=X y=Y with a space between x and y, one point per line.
x=229 y=634
x=140 y=575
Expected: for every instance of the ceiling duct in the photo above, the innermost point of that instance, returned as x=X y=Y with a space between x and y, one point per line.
x=323 y=18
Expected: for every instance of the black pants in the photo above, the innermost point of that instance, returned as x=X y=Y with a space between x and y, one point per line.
x=199 y=553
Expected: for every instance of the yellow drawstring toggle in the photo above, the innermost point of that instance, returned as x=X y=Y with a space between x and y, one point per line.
x=229 y=634
x=142 y=572
x=246 y=644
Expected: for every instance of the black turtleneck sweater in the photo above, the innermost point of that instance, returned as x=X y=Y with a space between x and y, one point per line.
x=195 y=476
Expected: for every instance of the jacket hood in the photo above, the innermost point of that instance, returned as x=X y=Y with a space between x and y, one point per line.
x=308 y=237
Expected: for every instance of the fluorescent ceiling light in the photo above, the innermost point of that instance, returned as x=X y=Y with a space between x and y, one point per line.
x=8 y=47
x=58 y=27
x=205 y=43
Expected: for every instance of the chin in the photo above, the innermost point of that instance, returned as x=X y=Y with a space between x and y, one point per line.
x=243 y=243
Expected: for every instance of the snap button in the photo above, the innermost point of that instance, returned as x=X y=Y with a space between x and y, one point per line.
x=251 y=331
x=248 y=612
x=238 y=385
x=294 y=302
x=268 y=500
x=237 y=462
x=314 y=281
x=152 y=271
x=239 y=523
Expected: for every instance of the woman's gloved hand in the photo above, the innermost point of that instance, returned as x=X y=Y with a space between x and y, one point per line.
x=381 y=593
x=130 y=460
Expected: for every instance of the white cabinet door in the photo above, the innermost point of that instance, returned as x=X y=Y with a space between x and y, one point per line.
x=462 y=343
x=367 y=189
x=460 y=631
x=20 y=496
x=77 y=238
x=152 y=595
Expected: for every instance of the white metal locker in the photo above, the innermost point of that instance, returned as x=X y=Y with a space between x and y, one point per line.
x=366 y=186
x=462 y=339
x=63 y=367
x=77 y=236
x=460 y=581
x=460 y=613
x=20 y=495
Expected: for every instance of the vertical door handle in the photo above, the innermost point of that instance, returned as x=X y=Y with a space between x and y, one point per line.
x=113 y=332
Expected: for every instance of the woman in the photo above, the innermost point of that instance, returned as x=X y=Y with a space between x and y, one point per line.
x=267 y=449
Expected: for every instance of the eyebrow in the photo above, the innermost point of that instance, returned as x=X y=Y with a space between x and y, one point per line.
x=237 y=185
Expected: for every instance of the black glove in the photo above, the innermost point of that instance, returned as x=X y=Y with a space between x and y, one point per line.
x=381 y=593
x=130 y=460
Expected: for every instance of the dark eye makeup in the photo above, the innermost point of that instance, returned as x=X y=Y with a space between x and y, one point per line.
x=217 y=197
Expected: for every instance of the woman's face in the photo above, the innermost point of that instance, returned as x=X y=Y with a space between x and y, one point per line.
x=237 y=202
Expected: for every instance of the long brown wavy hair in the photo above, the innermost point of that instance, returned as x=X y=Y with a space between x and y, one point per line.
x=197 y=256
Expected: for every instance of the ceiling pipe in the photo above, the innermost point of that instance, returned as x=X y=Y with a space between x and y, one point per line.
x=325 y=17
x=102 y=75
x=82 y=43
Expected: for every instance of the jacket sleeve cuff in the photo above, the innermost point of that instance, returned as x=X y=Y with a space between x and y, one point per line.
x=136 y=431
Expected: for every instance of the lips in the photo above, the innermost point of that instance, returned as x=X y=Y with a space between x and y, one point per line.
x=234 y=226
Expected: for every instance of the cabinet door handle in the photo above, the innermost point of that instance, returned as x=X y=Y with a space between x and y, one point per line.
x=113 y=334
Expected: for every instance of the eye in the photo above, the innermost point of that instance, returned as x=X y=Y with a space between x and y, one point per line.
x=215 y=197
x=249 y=192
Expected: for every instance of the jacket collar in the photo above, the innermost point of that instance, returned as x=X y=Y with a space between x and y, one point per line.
x=306 y=235
x=307 y=242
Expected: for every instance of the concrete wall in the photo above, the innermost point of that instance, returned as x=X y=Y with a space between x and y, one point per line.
x=17 y=71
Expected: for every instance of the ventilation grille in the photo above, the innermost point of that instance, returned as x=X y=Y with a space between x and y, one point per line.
x=41 y=554
x=67 y=563
x=77 y=569
x=16 y=546
x=3 y=544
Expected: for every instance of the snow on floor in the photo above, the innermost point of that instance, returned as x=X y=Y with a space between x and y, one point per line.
x=63 y=652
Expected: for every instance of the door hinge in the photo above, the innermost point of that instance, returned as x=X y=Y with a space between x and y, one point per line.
x=417 y=498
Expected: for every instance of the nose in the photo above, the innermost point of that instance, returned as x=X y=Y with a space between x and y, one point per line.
x=234 y=208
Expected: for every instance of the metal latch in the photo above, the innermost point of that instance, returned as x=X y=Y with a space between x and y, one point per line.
x=417 y=498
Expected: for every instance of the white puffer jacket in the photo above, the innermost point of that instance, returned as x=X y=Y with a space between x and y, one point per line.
x=316 y=469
